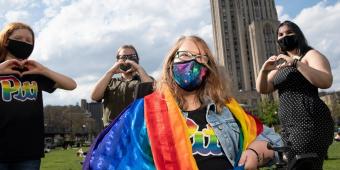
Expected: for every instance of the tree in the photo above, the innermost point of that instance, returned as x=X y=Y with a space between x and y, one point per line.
x=267 y=111
x=334 y=107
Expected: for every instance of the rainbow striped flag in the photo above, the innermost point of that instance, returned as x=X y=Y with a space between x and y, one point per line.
x=152 y=134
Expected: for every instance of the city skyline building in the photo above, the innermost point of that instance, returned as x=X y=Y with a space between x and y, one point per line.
x=244 y=34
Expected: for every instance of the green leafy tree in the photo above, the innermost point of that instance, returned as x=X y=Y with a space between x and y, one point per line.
x=267 y=112
x=335 y=111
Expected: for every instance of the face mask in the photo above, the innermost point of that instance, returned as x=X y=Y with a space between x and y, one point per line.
x=288 y=43
x=189 y=75
x=19 y=49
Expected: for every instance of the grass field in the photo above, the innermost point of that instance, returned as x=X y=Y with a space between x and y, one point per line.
x=333 y=162
x=59 y=159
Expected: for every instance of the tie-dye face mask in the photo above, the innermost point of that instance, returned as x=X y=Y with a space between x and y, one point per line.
x=189 y=75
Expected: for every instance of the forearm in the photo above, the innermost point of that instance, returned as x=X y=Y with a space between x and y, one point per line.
x=143 y=75
x=318 y=78
x=262 y=82
x=264 y=154
x=61 y=80
x=99 y=89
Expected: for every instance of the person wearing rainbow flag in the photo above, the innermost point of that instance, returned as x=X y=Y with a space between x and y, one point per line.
x=189 y=122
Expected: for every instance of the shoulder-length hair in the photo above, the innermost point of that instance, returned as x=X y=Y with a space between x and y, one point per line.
x=303 y=46
x=6 y=32
x=214 y=88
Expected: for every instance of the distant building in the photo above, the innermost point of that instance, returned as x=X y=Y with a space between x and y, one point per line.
x=95 y=109
x=244 y=37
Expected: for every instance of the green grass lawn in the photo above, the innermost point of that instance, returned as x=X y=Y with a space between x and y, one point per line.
x=333 y=162
x=59 y=159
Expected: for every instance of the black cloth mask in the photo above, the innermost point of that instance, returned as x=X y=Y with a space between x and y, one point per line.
x=19 y=49
x=288 y=43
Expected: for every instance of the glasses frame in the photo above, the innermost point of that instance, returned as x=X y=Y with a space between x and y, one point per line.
x=128 y=57
x=192 y=56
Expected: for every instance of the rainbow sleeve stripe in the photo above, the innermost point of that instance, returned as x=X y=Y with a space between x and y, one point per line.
x=251 y=127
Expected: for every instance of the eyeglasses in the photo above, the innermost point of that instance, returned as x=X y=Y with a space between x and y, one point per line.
x=128 y=57
x=186 y=56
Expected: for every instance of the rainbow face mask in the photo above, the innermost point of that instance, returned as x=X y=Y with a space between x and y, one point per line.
x=189 y=75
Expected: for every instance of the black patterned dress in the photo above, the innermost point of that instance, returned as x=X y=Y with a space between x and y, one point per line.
x=306 y=120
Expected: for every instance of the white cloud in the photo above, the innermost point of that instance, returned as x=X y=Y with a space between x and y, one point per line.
x=17 y=15
x=281 y=15
x=80 y=38
x=63 y=97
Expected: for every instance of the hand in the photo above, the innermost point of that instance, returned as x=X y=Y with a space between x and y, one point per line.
x=134 y=66
x=288 y=60
x=249 y=160
x=115 y=69
x=10 y=67
x=270 y=65
x=33 y=67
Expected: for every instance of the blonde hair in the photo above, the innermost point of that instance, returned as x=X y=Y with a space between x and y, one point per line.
x=6 y=32
x=214 y=87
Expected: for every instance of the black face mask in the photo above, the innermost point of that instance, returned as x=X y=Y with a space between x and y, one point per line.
x=19 y=49
x=288 y=43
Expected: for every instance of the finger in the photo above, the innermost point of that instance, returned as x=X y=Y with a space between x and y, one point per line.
x=130 y=62
x=273 y=57
x=130 y=70
x=15 y=72
x=30 y=62
x=28 y=72
x=15 y=61
x=282 y=56
x=242 y=160
x=118 y=64
x=12 y=63
x=120 y=71
x=26 y=63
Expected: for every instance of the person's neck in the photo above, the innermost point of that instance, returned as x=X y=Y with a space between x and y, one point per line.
x=191 y=101
x=292 y=53
x=9 y=56
x=127 y=76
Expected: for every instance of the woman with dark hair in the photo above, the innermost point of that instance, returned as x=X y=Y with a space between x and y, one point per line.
x=306 y=120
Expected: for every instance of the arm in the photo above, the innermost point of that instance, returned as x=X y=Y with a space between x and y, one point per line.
x=252 y=160
x=317 y=70
x=264 y=81
x=61 y=80
x=314 y=67
x=99 y=89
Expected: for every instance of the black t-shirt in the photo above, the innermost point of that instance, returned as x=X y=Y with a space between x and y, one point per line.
x=205 y=146
x=21 y=116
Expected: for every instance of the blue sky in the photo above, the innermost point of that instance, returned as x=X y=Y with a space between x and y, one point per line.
x=294 y=7
x=79 y=38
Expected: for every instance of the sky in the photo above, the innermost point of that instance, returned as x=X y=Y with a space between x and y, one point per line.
x=79 y=38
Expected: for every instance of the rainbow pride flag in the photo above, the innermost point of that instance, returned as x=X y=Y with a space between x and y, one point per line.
x=152 y=134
